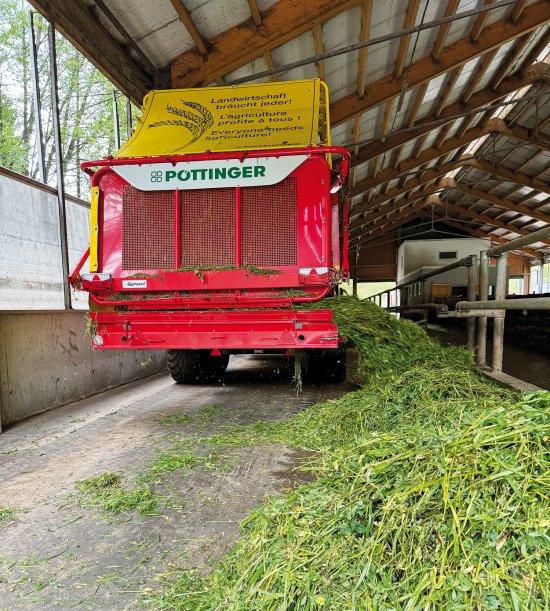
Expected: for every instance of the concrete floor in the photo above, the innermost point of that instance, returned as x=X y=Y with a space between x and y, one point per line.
x=56 y=553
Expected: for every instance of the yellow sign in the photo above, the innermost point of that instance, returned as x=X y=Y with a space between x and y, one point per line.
x=218 y=119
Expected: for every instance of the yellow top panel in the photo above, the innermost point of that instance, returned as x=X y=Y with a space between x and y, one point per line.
x=219 y=119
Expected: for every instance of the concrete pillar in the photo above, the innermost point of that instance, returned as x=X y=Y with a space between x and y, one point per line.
x=471 y=296
x=498 y=329
x=481 y=351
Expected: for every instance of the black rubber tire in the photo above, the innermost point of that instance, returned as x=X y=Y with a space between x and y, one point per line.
x=328 y=365
x=215 y=365
x=195 y=366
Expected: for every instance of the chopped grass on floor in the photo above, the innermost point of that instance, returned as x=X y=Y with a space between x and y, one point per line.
x=431 y=491
x=209 y=411
x=8 y=513
x=105 y=492
x=176 y=458
x=173 y=419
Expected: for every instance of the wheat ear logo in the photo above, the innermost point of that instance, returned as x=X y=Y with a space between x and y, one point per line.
x=197 y=120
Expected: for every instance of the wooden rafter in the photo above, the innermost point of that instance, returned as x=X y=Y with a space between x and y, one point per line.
x=319 y=48
x=398 y=205
x=366 y=16
x=190 y=26
x=508 y=61
x=449 y=145
x=257 y=18
x=508 y=174
x=485 y=218
x=410 y=17
x=238 y=45
x=76 y=23
x=439 y=43
x=407 y=211
x=479 y=23
x=414 y=182
x=453 y=55
x=478 y=73
x=476 y=102
x=500 y=202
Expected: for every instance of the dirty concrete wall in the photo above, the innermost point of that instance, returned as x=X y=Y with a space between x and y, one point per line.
x=30 y=255
x=46 y=361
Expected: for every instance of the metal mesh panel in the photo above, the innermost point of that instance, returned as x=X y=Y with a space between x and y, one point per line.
x=269 y=224
x=208 y=227
x=147 y=229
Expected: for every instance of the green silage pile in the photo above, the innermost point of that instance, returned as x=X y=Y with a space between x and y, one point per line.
x=432 y=491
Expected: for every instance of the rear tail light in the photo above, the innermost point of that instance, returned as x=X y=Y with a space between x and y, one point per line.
x=96 y=282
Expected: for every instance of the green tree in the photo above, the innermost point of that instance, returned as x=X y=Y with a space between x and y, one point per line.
x=85 y=102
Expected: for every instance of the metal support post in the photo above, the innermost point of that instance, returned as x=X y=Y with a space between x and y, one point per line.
x=37 y=107
x=59 y=170
x=354 y=279
x=116 y=121
x=471 y=295
x=481 y=351
x=128 y=118
x=498 y=325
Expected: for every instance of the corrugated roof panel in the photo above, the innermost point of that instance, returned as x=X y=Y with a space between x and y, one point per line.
x=494 y=65
x=430 y=140
x=424 y=40
x=341 y=71
x=212 y=17
x=399 y=118
x=408 y=149
x=536 y=37
x=462 y=82
x=387 y=17
x=368 y=124
x=156 y=28
x=540 y=165
x=460 y=28
x=341 y=75
x=342 y=135
x=299 y=47
x=253 y=67
x=264 y=5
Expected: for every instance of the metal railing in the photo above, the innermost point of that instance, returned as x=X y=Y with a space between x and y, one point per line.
x=481 y=309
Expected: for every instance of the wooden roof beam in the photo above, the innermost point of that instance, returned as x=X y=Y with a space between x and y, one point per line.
x=399 y=204
x=411 y=118
x=257 y=18
x=441 y=148
x=456 y=54
x=319 y=49
x=190 y=26
x=439 y=43
x=366 y=18
x=477 y=101
x=508 y=61
x=407 y=212
x=235 y=47
x=508 y=174
x=77 y=24
x=414 y=182
x=479 y=23
x=505 y=204
x=410 y=18
x=486 y=219
x=517 y=10
x=480 y=70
